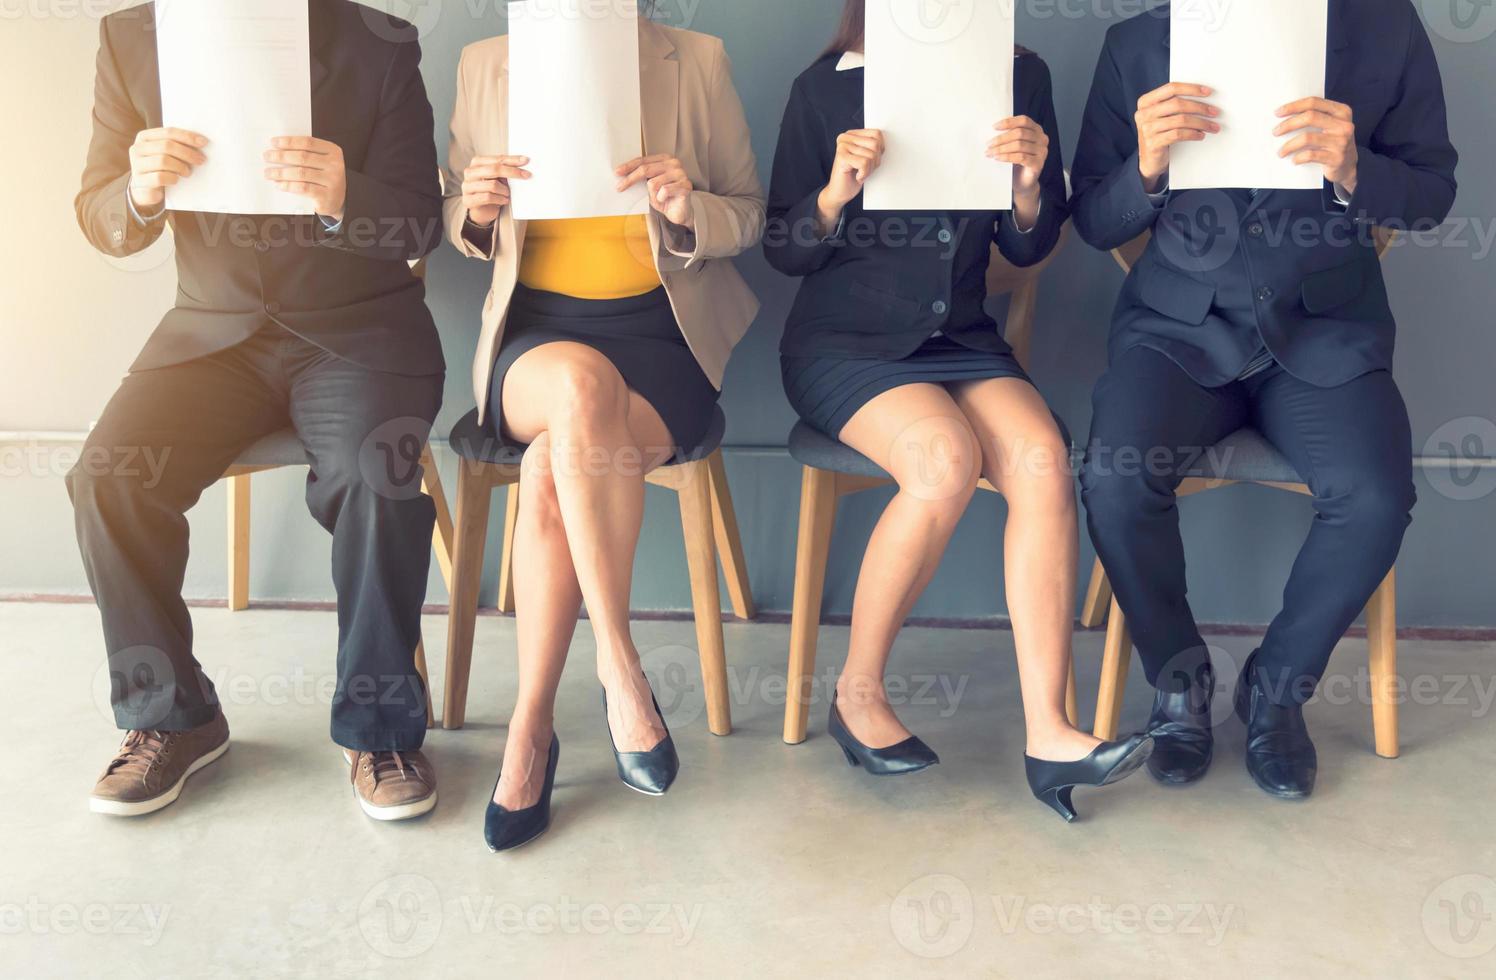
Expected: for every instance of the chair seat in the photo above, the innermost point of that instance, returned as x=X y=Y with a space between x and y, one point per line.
x=811 y=447
x=1246 y=457
x=281 y=448
x=480 y=444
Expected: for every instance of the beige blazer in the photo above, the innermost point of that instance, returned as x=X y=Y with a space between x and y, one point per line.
x=690 y=110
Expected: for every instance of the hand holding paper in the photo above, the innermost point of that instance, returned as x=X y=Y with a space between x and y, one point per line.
x=312 y=169
x=485 y=186
x=1171 y=114
x=858 y=154
x=669 y=186
x=1323 y=132
x=1255 y=58
x=159 y=158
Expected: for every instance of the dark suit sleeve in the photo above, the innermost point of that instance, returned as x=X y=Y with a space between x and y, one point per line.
x=101 y=205
x=1029 y=248
x=1109 y=205
x=792 y=240
x=1405 y=178
x=394 y=205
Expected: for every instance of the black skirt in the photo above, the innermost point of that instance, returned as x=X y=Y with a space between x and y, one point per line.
x=638 y=334
x=827 y=390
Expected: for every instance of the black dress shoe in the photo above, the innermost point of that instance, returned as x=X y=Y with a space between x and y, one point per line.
x=652 y=772
x=910 y=755
x=505 y=830
x=1280 y=755
x=1183 y=740
x=1109 y=762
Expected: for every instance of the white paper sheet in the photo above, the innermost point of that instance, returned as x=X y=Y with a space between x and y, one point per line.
x=574 y=107
x=238 y=72
x=939 y=75
x=1257 y=56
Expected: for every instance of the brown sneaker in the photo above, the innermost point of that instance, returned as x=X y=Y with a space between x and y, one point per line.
x=148 y=772
x=392 y=785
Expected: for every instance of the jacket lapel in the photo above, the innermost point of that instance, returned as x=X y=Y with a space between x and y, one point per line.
x=1340 y=42
x=320 y=32
x=659 y=88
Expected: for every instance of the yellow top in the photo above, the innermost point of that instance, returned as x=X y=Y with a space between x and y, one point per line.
x=589 y=258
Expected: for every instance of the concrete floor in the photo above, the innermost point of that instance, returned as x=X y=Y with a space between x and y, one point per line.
x=765 y=859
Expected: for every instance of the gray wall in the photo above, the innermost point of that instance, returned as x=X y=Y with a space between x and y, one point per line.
x=71 y=320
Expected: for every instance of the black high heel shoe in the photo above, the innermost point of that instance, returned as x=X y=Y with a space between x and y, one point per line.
x=652 y=772
x=505 y=830
x=910 y=755
x=1107 y=763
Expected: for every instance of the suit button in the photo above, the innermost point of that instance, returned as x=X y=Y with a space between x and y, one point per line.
x=273 y=309
x=262 y=246
x=944 y=236
x=940 y=307
x=1255 y=230
x=1265 y=294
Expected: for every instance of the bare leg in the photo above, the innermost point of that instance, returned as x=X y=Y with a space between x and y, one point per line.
x=547 y=603
x=918 y=434
x=603 y=440
x=1024 y=458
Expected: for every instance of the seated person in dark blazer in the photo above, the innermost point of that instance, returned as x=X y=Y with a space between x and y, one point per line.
x=1264 y=309
x=888 y=349
x=312 y=322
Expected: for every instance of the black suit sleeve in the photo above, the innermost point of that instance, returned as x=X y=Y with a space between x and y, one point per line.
x=102 y=204
x=793 y=243
x=394 y=203
x=1029 y=248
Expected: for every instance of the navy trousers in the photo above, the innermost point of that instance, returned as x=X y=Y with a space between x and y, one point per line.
x=168 y=434
x=1351 y=444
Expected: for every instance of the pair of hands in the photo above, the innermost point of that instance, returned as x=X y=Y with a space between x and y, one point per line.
x=485 y=186
x=1020 y=141
x=301 y=165
x=1321 y=132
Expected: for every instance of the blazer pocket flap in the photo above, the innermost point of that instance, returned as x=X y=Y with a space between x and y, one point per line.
x=1324 y=291
x=884 y=298
x=1176 y=296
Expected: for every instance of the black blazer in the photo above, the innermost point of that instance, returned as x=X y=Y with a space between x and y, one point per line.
x=891 y=279
x=351 y=293
x=1293 y=270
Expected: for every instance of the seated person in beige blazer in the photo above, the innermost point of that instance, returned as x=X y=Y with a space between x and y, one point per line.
x=602 y=350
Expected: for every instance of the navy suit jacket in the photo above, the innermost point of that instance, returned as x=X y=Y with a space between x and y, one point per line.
x=1224 y=273
x=350 y=292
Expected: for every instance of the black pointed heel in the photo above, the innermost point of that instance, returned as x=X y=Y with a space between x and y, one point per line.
x=1109 y=762
x=910 y=755
x=504 y=830
x=652 y=772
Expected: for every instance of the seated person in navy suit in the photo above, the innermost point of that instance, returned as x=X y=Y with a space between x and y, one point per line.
x=1264 y=309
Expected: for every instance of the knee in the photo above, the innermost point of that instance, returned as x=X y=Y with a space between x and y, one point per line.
x=938 y=463
x=1117 y=494
x=98 y=478
x=588 y=389
x=1376 y=510
x=1039 y=478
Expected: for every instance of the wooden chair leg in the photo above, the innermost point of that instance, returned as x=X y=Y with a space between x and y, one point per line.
x=1114 y=663
x=812 y=551
x=474 y=493
x=238 y=542
x=1072 y=701
x=441 y=537
x=1098 y=598
x=425 y=682
x=729 y=541
x=506 y=558
x=695 y=492
x=1381 y=637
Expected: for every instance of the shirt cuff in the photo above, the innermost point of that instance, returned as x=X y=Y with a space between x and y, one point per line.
x=138 y=218
x=1342 y=197
x=331 y=226
x=1025 y=231
x=838 y=232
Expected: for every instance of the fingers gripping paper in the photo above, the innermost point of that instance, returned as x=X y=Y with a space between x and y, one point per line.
x=574 y=107
x=1257 y=57
x=939 y=76
x=238 y=72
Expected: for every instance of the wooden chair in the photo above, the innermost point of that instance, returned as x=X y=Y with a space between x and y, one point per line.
x=283 y=449
x=1248 y=458
x=833 y=470
x=707 y=520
